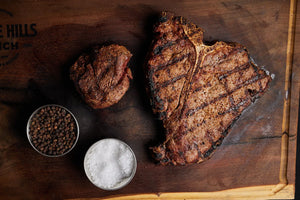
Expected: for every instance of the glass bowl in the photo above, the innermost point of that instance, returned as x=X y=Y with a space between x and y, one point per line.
x=100 y=157
x=30 y=136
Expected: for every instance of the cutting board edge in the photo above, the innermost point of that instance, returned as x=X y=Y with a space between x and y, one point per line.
x=253 y=192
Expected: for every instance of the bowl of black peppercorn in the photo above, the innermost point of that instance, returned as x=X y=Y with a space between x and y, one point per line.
x=52 y=130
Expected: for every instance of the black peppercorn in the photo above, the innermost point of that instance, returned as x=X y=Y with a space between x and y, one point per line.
x=52 y=130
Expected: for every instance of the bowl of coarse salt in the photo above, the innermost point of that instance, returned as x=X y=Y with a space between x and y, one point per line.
x=110 y=164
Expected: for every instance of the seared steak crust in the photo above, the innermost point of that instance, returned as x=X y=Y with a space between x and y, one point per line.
x=102 y=76
x=197 y=90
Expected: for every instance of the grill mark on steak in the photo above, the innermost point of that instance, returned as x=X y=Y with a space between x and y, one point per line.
x=247 y=82
x=171 y=62
x=225 y=57
x=231 y=100
x=173 y=80
x=223 y=76
x=234 y=50
x=239 y=68
x=216 y=84
x=260 y=86
x=215 y=144
x=158 y=49
x=190 y=112
x=106 y=70
x=235 y=107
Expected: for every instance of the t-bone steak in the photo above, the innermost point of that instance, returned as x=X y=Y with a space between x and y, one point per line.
x=197 y=90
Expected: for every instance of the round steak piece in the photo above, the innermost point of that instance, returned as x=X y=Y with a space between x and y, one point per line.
x=102 y=76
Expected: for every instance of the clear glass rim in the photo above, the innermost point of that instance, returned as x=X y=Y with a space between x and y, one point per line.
x=121 y=185
x=29 y=122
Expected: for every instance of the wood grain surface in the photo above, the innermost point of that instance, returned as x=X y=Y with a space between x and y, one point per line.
x=38 y=74
x=254 y=192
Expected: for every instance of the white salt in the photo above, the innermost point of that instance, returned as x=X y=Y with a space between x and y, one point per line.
x=109 y=163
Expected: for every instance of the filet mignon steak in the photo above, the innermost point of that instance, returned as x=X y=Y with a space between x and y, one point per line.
x=102 y=76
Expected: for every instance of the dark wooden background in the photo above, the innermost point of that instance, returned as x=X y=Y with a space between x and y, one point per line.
x=249 y=155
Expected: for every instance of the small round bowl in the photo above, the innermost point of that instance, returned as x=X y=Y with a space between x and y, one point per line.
x=119 y=185
x=29 y=136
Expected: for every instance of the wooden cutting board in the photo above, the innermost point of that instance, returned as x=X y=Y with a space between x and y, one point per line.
x=41 y=39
